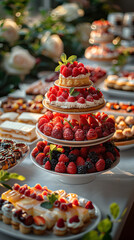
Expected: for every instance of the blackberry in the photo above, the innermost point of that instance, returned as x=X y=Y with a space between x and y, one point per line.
x=55 y=154
x=53 y=163
x=108 y=163
x=81 y=169
x=93 y=156
x=66 y=164
x=89 y=165
x=72 y=157
x=58 y=155
x=45 y=160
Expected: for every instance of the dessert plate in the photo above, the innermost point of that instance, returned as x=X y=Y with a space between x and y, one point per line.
x=73 y=143
x=75 y=178
x=8 y=230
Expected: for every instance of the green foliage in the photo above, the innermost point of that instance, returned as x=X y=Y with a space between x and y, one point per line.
x=68 y=123
x=5 y=176
x=51 y=199
x=52 y=148
x=64 y=60
x=73 y=93
x=104 y=227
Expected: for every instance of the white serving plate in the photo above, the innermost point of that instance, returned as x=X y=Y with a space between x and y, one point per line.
x=8 y=230
x=73 y=143
x=126 y=147
x=75 y=178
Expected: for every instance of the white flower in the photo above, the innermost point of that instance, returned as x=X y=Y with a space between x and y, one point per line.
x=68 y=11
x=9 y=31
x=52 y=46
x=19 y=61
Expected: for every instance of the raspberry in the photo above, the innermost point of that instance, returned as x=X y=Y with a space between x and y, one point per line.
x=61 y=99
x=91 y=134
x=60 y=223
x=75 y=152
x=41 y=145
x=83 y=121
x=63 y=158
x=49 y=114
x=89 y=205
x=52 y=98
x=16 y=187
x=38 y=187
x=60 y=167
x=63 y=207
x=39 y=158
x=71 y=169
x=54 y=91
x=110 y=156
x=98 y=130
x=80 y=65
x=39 y=197
x=46 y=150
x=65 y=95
x=89 y=98
x=75 y=63
x=57 y=133
x=79 y=135
x=61 y=68
x=35 y=152
x=57 y=203
x=92 y=90
x=66 y=72
x=75 y=128
x=80 y=161
x=95 y=96
x=74 y=219
x=99 y=93
x=48 y=94
x=82 y=70
x=75 y=202
x=47 y=165
x=68 y=134
x=100 y=165
x=110 y=120
x=42 y=121
x=27 y=192
x=71 y=99
x=83 y=152
x=75 y=72
x=81 y=100
x=80 y=95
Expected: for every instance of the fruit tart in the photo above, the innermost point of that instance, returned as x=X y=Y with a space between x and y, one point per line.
x=38 y=209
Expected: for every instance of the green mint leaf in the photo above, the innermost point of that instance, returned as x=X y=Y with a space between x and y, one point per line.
x=1 y=173
x=63 y=57
x=68 y=123
x=57 y=68
x=52 y=147
x=52 y=197
x=75 y=94
x=60 y=63
x=114 y=210
x=105 y=225
x=5 y=185
x=59 y=149
x=92 y=235
x=46 y=205
x=72 y=58
x=71 y=90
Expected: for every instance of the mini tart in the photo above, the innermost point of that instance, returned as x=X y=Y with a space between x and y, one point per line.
x=127 y=132
x=129 y=120
x=80 y=80
x=119 y=118
x=122 y=125
x=111 y=80
x=54 y=108
x=75 y=227
x=118 y=135
x=60 y=231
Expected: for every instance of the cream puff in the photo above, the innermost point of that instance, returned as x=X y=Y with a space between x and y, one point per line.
x=129 y=120
x=127 y=132
x=75 y=224
x=60 y=228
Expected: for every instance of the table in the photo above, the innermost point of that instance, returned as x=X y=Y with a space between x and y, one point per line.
x=113 y=186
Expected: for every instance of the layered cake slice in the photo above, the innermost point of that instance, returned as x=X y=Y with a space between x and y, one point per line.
x=16 y=130
x=30 y=118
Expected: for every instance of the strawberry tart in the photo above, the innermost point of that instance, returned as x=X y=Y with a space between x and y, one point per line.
x=101 y=36
x=100 y=53
x=101 y=24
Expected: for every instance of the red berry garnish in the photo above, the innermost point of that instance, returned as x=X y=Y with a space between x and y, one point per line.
x=52 y=98
x=79 y=135
x=47 y=129
x=71 y=168
x=46 y=150
x=57 y=203
x=80 y=161
x=71 y=99
x=47 y=165
x=61 y=99
x=38 y=187
x=39 y=197
x=39 y=158
x=35 y=151
x=63 y=158
x=42 y=121
x=89 y=98
x=65 y=95
x=60 y=167
x=75 y=72
x=75 y=152
x=62 y=67
x=74 y=219
x=100 y=165
x=75 y=202
x=89 y=205
x=40 y=145
x=63 y=207
x=16 y=187
x=68 y=134
x=81 y=100
x=66 y=72
x=91 y=134
x=60 y=223
x=27 y=192
x=33 y=195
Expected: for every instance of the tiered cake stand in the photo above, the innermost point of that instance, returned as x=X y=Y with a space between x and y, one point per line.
x=73 y=114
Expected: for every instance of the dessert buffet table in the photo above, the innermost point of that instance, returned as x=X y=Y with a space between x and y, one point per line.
x=113 y=186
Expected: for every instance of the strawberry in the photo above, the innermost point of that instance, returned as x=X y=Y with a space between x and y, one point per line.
x=57 y=133
x=33 y=195
x=75 y=152
x=110 y=120
x=46 y=150
x=74 y=122
x=57 y=119
x=83 y=152
x=16 y=187
x=60 y=223
x=75 y=72
x=98 y=130
x=75 y=128
x=79 y=135
x=61 y=99
x=95 y=96
x=39 y=197
x=68 y=134
x=99 y=93
x=71 y=99
x=65 y=95
x=40 y=145
x=54 y=91
x=59 y=93
x=39 y=220
x=92 y=90
x=63 y=207
x=81 y=100
x=89 y=98
x=80 y=161
x=80 y=95
x=117 y=152
x=89 y=205
x=66 y=72
x=62 y=67
x=47 y=129
x=83 y=121
x=60 y=167
x=38 y=187
x=86 y=128
x=106 y=133
x=100 y=165
x=39 y=158
x=35 y=151
x=92 y=121
x=72 y=169
x=47 y=165
x=52 y=98
x=49 y=114
x=104 y=116
x=42 y=121
x=91 y=134
x=75 y=202
x=80 y=65
x=110 y=155
x=63 y=158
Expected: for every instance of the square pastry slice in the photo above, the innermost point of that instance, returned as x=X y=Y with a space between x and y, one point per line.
x=10 y=116
x=30 y=118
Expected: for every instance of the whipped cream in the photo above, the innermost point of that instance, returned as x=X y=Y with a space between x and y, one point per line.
x=91 y=211
x=78 y=77
x=7 y=210
x=41 y=227
x=75 y=224
x=60 y=229
x=82 y=202
x=15 y=219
